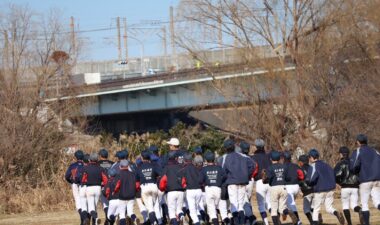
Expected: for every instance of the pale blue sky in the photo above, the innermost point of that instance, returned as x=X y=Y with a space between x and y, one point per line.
x=98 y=14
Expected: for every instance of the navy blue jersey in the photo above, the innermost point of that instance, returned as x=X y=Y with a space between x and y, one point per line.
x=109 y=189
x=276 y=174
x=74 y=172
x=262 y=161
x=170 y=180
x=93 y=175
x=294 y=173
x=105 y=164
x=147 y=172
x=321 y=176
x=127 y=186
x=213 y=175
x=190 y=177
x=238 y=167
x=365 y=161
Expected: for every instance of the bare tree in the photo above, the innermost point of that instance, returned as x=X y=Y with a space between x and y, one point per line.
x=36 y=57
x=320 y=57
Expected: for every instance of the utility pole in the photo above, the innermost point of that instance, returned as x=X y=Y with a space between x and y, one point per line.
x=125 y=38
x=118 y=37
x=164 y=44
x=72 y=35
x=172 y=41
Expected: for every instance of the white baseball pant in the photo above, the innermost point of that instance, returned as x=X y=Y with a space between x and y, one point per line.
x=237 y=195
x=194 y=197
x=263 y=196
x=142 y=208
x=349 y=195
x=213 y=200
x=308 y=203
x=323 y=197
x=292 y=190
x=367 y=189
x=149 y=195
x=125 y=205
x=82 y=198
x=113 y=207
x=92 y=196
x=175 y=203
x=278 y=198
x=223 y=209
x=75 y=189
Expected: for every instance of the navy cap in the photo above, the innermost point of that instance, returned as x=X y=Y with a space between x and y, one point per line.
x=314 y=153
x=362 y=138
x=304 y=158
x=126 y=152
x=275 y=155
x=79 y=155
x=198 y=150
x=210 y=156
x=145 y=154
x=344 y=150
x=103 y=153
x=287 y=155
x=112 y=172
x=229 y=144
x=187 y=156
x=153 y=149
x=86 y=158
x=245 y=147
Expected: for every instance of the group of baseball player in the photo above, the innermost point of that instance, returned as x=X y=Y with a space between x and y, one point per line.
x=203 y=187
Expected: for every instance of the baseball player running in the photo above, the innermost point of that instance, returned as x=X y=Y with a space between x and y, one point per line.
x=307 y=191
x=111 y=196
x=262 y=190
x=106 y=165
x=276 y=176
x=321 y=176
x=94 y=178
x=126 y=186
x=365 y=161
x=293 y=177
x=147 y=174
x=349 y=183
x=170 y=183
x=238 y=170
x=72 y=176
x=212 y=177
x=190 y=179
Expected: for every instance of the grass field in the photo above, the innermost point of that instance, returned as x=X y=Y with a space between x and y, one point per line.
x=71 y=217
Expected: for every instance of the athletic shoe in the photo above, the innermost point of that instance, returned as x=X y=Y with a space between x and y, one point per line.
x=284 y=216
x=97 y=221
x=86 y=221
x=320 y=218
x=340 y=218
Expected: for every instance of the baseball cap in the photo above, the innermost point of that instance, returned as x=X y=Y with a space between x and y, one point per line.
x=362 y=138
x=304 y=158
x=344 y=150
x=187 y=156
x=79 y=155
x=275 y=155
x=153 y=148
x=198 y=150
x=228 y=144
x=287 y=155
x=210 y=156
x=94 y=157
x=124 y=163
x=120 y=155
x=86 y=157
x=314 y=153
x=173 y=141
x=259 y=142
x=145 y=154
x=103 y=153
x=245 y=147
